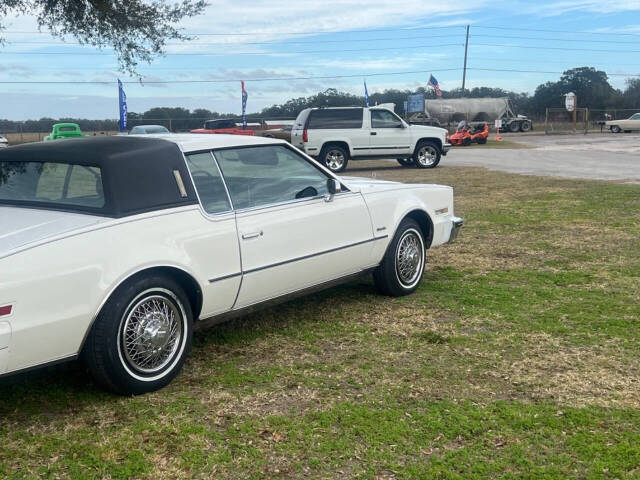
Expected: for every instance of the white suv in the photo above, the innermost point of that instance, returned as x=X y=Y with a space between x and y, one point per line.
x=335 y=135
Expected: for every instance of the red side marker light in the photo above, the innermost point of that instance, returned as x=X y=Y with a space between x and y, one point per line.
x=5 y=310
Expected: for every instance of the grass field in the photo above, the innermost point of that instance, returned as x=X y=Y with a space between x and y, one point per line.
x=518 y=357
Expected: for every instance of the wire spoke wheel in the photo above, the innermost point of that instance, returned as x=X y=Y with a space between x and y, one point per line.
x=151 y=334
x=409 y=258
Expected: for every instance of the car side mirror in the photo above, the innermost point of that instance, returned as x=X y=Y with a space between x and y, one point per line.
x=333 y=187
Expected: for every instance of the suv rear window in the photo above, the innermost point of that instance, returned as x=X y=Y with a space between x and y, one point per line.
x=335 y=118
x=215 y=124
x=51 y=183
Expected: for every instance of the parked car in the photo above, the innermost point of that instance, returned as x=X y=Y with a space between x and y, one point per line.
x=115 y=249
x=631 y=123
x=64 y=130
x=223 y=125
x=283 y=133
x=3 y=142
x=148 y=130
x=336 y=135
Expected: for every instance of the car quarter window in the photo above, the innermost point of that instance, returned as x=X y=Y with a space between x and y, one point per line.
x=335 y=118
x=265 y=175
x=384 y=119
x=208 y=183
x=51 y=183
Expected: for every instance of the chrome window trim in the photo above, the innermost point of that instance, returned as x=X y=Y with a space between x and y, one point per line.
x=210 y=216
x=292 y=202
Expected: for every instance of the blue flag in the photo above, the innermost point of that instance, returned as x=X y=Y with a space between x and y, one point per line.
x=123 y=107
x=244 y=107
x=366 y=94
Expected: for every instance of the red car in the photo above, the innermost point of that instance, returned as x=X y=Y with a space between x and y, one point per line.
x=223 y=125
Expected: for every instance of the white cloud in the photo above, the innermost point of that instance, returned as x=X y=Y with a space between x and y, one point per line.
x=272 y=19
x=562 y=7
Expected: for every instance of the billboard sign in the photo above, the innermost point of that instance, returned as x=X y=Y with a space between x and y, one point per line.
x=415 y=103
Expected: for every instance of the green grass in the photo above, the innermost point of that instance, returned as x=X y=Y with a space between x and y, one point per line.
x=518 y=357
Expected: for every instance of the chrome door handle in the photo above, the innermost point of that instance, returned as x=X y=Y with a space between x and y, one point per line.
x=247 y=236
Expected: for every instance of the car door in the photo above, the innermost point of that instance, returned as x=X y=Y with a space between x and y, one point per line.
x=217 y=240
x=291 y=234
x=634 y=122
x=389 y=134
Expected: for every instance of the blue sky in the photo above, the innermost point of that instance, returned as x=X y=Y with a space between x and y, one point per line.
x=371 y=39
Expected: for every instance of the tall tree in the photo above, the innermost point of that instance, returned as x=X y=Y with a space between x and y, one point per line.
x=137 y=30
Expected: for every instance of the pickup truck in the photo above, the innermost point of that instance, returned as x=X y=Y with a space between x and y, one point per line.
x=222 y=125
x=336 y=135
x=64 y=130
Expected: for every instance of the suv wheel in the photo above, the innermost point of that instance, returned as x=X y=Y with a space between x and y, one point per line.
x=427 y=155
x=334 y=157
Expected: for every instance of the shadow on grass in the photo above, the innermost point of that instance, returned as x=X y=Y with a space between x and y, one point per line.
x=68 y=387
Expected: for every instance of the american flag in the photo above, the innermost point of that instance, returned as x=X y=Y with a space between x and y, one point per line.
x=434 y=83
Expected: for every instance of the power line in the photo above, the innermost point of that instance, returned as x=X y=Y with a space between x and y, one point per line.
x=279 y=42
x=572 y=32
x=548 y=72
x=519 y=37
x=275 y=79
x=551 y=48
x=307 y=32
x=209 y=54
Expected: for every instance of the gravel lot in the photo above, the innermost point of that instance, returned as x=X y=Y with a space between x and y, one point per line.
x=595 y=156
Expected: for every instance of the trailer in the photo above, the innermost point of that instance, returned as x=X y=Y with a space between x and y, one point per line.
x=448 y=112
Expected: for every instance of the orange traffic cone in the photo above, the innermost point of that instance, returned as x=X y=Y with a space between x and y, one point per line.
x=498 y=137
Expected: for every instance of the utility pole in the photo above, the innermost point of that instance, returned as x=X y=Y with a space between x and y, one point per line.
x=464 y=71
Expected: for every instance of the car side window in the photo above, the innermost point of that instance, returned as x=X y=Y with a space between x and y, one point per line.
x=384 y=119
x=208 y=182
x=270 y=174
x=635 y=116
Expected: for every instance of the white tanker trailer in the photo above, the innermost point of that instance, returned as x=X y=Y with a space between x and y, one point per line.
x=450 y=111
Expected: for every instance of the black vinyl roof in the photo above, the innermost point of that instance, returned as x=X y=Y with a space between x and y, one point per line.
x=137 y=173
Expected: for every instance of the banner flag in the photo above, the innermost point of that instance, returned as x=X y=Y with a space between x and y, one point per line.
x=366 y=94
x=244 y=107
x=122 y=97
x=434 y=83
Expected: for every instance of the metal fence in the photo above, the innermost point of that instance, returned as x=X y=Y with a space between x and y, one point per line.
x=559 y=120
x=35 y=130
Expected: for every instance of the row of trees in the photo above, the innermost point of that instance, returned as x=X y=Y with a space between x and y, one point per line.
x=590 y=85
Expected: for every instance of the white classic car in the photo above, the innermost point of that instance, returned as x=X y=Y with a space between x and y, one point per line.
x=115 y=249
x=631 y=123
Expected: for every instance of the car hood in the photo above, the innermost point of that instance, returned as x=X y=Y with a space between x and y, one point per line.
x=21 y=227
x=368 y=184
x=441 y=132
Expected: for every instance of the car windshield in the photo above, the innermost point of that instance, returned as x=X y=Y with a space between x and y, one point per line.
x=51 y=184
x=156 y=129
